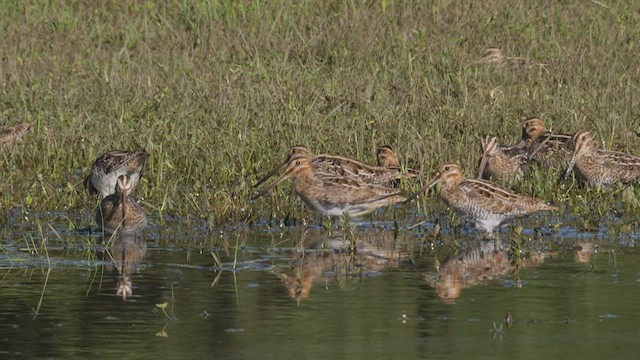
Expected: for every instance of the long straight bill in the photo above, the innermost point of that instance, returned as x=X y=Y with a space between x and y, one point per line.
x=123 y=203
x=424 y=188
x=571 y=165
x=268 y=187
x=483 y=164
x=270 y=174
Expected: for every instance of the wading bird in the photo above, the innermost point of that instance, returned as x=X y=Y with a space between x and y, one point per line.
x=331 y=194
x=120 y=211
x=480 y=201
x=502 y=164
x=387 y=171
x=111 y=165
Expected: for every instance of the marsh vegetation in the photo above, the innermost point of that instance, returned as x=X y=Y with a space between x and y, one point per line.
x=218 y=92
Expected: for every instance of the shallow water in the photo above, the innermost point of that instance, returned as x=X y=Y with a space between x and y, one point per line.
x=367 y=292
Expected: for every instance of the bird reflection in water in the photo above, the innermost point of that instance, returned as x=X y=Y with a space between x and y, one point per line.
x=584 y=250
x=478 y=262
x=323 y=259
x=126 y=252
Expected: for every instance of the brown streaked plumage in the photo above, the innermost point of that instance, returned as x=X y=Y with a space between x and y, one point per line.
x=9 y=134
x=546 y=148
x=502 y=164
x=111 y=165
x=388 y=158
x=120 y=211
x=342 y=166
x=492 y=55
x=483 y=202
x=495 y=56
x=334 y=195
x=601 y=167
x=533 y=128
x=296 y=151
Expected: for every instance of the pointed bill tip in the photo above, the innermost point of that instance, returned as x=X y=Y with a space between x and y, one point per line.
x=423 y=189
x=411 y=197
x=268 y=187
x=574 y=158
x=270 y=174
x=569 y=168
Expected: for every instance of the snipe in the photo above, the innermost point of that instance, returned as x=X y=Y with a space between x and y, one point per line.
x=9 y=134
x=502 y=164
x=332 y=194
x=388 y=168
x=601 y=167
x=111 y=165
x=480 y=201
x=546 y=148
x=120 y=211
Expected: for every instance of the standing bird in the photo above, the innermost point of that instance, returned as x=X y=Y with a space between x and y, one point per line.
x=120 y=211
x=601 y=167
x=344 y=166
x=501 y=163
x=331 y=194
x=111 y=165
x=481 y=201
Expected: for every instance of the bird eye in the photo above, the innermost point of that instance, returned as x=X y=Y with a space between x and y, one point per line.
x=297 y=162
x=447 y=168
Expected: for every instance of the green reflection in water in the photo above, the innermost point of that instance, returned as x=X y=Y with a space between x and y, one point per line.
x=385 y=300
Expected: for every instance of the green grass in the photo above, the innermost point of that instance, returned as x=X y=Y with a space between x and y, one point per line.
x=219 y=91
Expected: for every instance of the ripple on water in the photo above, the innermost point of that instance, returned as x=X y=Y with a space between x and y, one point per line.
x=394 y=292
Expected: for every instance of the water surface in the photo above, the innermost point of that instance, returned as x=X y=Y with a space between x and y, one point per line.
x=367 y=292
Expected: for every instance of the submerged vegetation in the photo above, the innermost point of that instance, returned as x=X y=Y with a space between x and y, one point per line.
x=218 y=92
